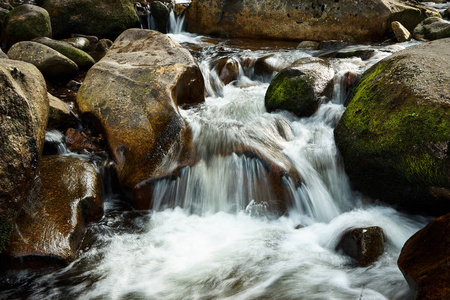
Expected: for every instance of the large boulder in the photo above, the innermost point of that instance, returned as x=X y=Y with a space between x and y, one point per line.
x=425 y=260
x=300 y=87
x=103 y=18
x=314 y=20
x=394 y=135
x=133 y=93
x=50 y=62
x=26 y=22
x=67 y=194
x=23 y=118
x=432 y=29
x=81 y=58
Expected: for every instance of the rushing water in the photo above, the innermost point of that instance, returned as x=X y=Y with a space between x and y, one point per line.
x=211 y=234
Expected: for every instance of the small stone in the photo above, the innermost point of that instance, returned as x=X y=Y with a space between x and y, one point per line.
x=401 y=33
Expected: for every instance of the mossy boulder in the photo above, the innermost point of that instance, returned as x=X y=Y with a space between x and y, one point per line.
x=81 y=58
x=313 y=20
x=394 y=135
x=432 y=29
x=50 y=62
x=67 y=194
x=300 y=87
x=26 y=22
x=133 y=94
x=425 y=258
x=102 y=18
x=24 y=112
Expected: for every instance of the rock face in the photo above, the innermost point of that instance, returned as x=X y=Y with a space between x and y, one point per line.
x=23 y=118
x=50 y=62
x=394 y=135
x=364 y=245
x=81 y=58
x=66 y=196
x=300 y=87
x=103 y=18
x=432 y=29
x=425 y=258
x=314 y=20
x=133 y=93
x=26 y=22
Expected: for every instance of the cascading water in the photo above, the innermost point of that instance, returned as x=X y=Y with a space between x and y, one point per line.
x=221 y=241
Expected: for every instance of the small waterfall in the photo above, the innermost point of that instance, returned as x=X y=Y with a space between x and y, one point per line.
x=55 y=143
x=176 y=23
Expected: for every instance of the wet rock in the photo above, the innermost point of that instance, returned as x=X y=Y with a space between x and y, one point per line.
x=79 y=141
x=81 y=43
x=26 y=22
x=332 y=45
x=364 y=54
x=432 y=29
x=227 y=69
x=102 y=18
x=304 y=20
x=103 y=45
x=67 y=195
x=23 y=117
x=301 y=87
x=446 y=14
x=394 y=134
x=61 y=116
x=311 y=45
x=349 y=80
x=133 y=94
x=425 y=258
x=81 y=58
x=161 y=15
x=364 y=245
x=50 y=62
x=93 y=40
x=401 y=33
x=264 y=67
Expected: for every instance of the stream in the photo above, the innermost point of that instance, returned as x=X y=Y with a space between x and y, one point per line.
x=211 y=234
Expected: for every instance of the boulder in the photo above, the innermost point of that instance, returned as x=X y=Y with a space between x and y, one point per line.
x=227 y=69
x=81 y=58
x=432 y=29
x=102 y=18
x=395 y=132
x=81 y=43
x=363 y=245
x=26 y=22
x=425 y=258
x=301 y=87
x=401 y=33
x=61 y=116
x=350 y=20
x=133 y=94
x=50 y=62
x=23 y=118
x=161 y=14
x=67 y=195
x=264 y=67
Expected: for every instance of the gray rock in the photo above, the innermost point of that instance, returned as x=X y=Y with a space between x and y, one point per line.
x=432 y=29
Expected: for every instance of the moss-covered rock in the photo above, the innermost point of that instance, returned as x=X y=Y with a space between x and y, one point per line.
x=81 y=58
x=432 y=29
x=50 y=62
x=67 y=195
x=133 y=93
x=300 y=87
x=23 y=118
x=26 y=22
x=102 y=18
x=395 y=132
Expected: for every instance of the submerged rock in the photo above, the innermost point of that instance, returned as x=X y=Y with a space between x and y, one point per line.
x=133 y=94
x=50 y=228
x=432 y=29
x=395 y=133
x=300 y=87
x=23 y=118
x=50 y=62
x=26 y=22
x=364 y=245
x=102 y=18
x=349 y=20
x=425 y=260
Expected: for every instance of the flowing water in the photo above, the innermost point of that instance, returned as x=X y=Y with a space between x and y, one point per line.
x=212 y=233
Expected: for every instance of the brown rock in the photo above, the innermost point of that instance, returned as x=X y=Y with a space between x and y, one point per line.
x=66 y=196
x=311 y=45
x=133 y=94
x=425 y=260
x=227 y=69
x=263 y=69
x=23 y=118
x=61 y=116
x=364 y=245
x=79 y=142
